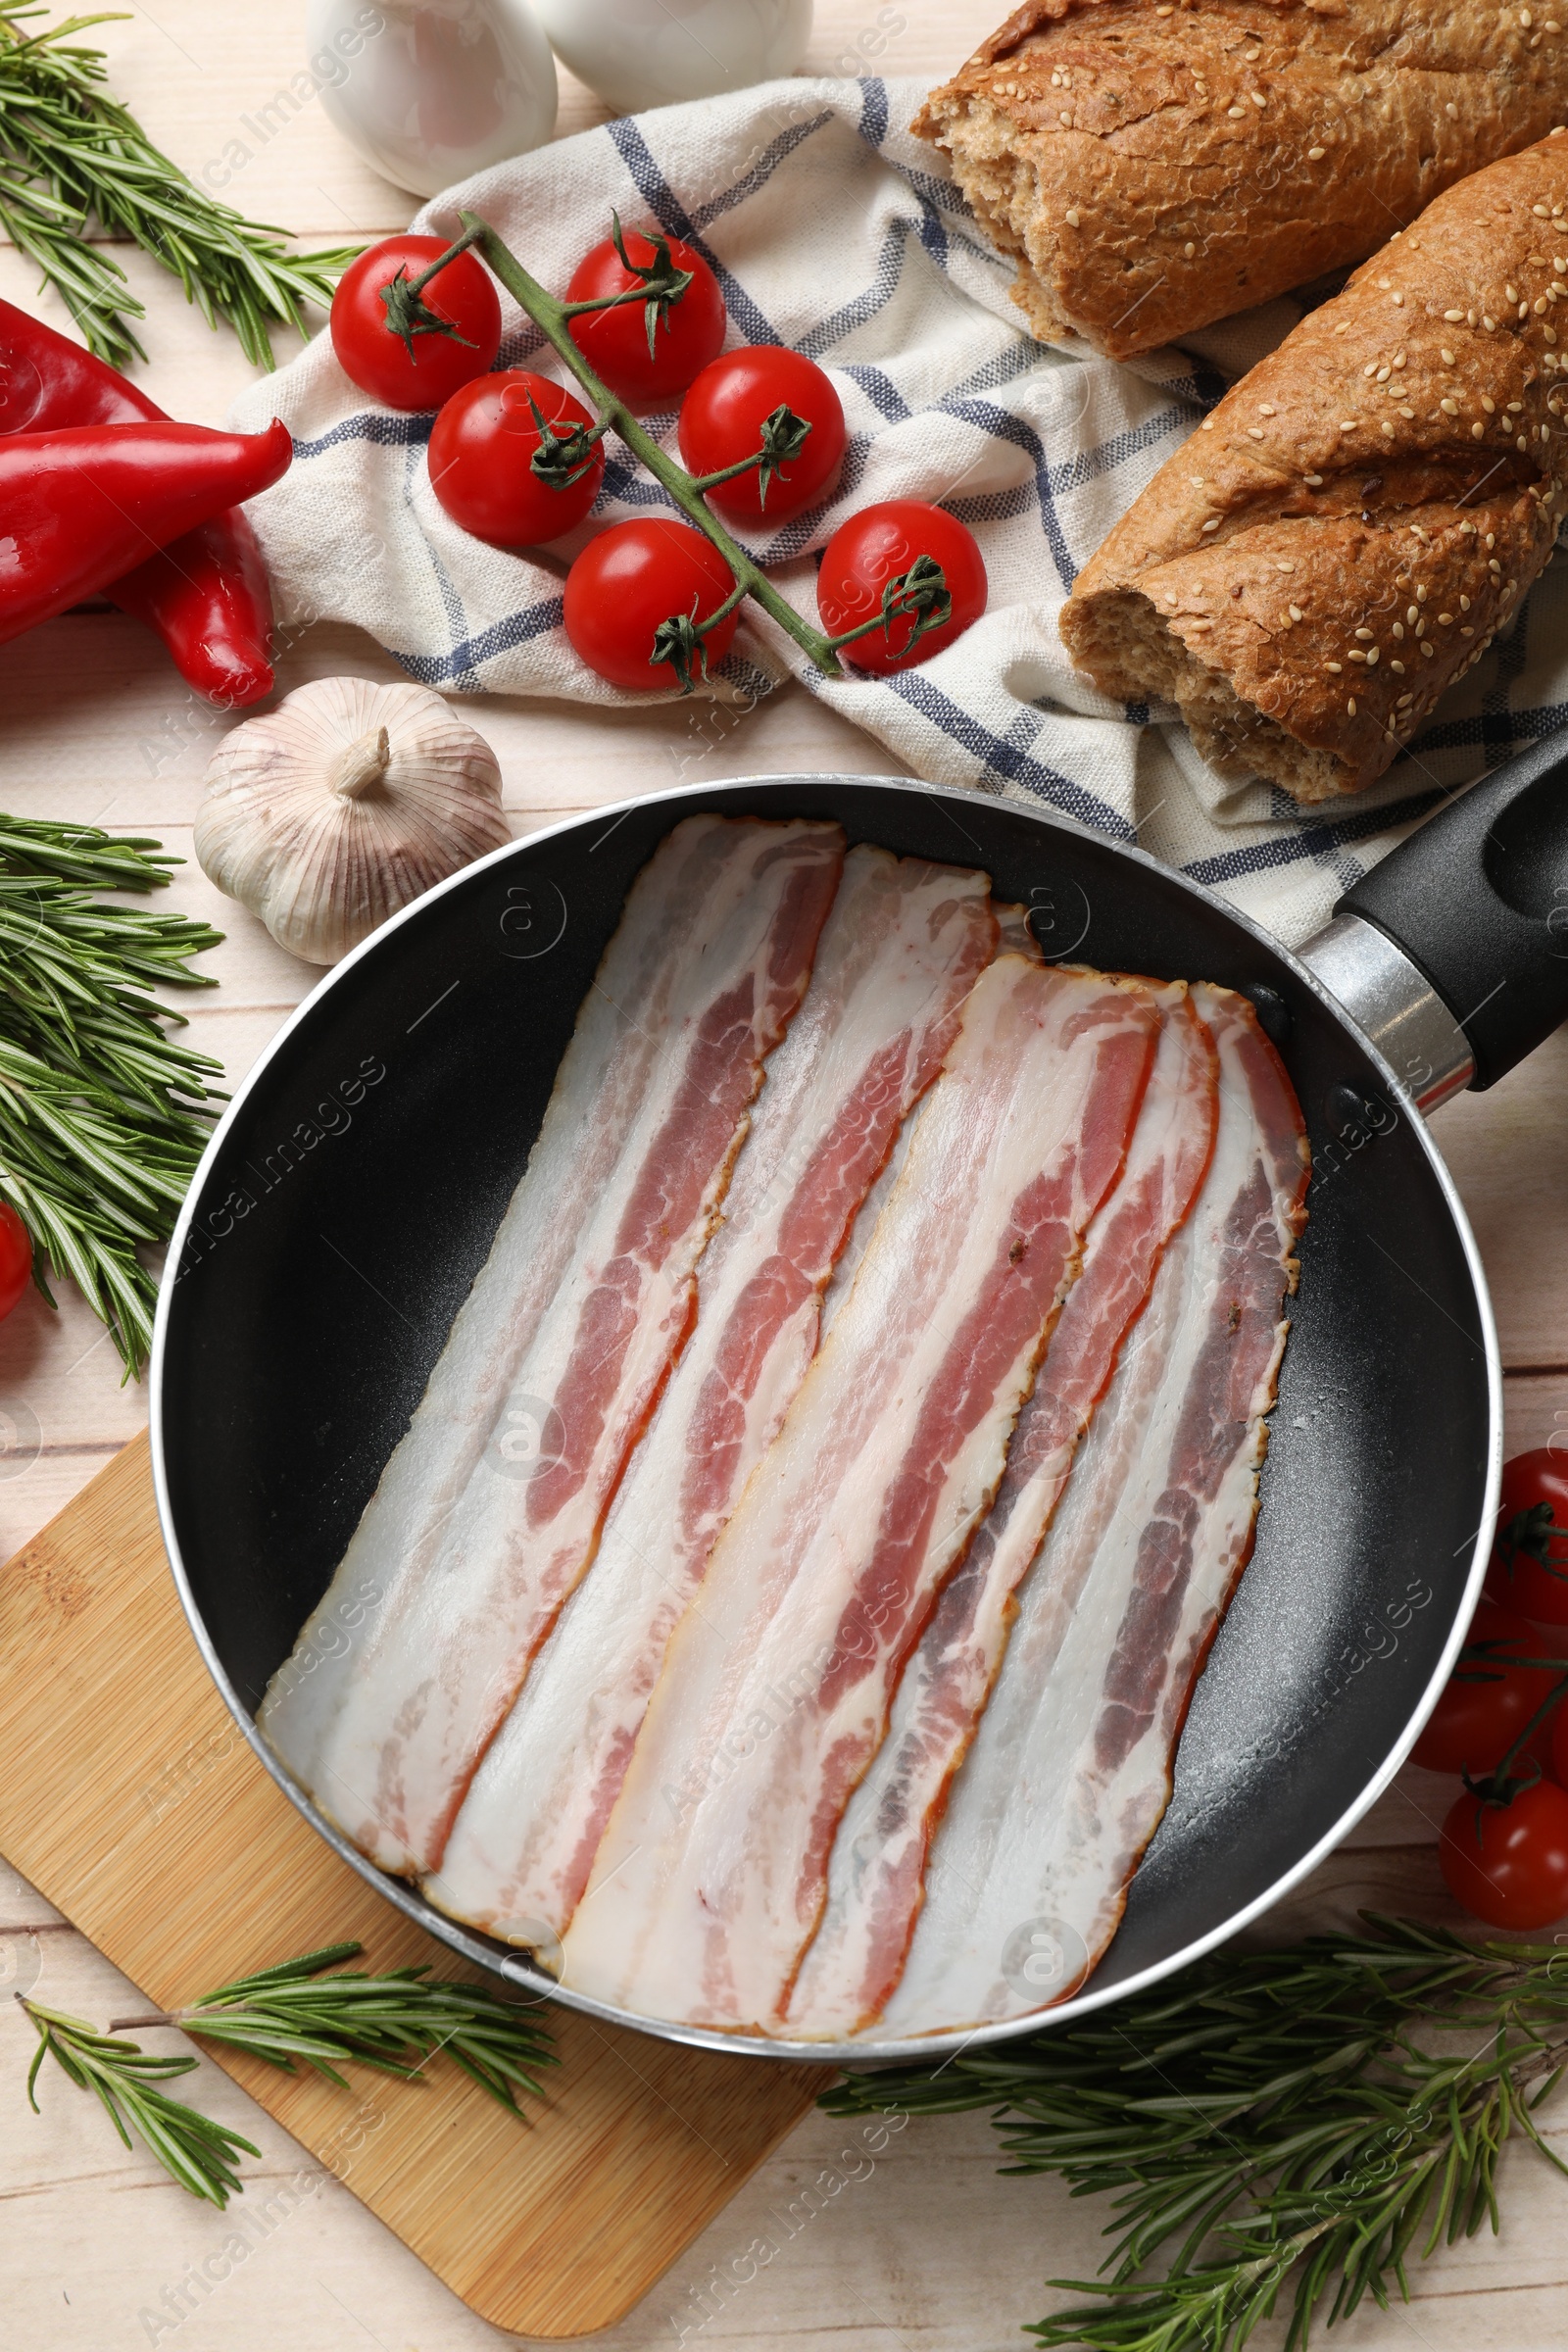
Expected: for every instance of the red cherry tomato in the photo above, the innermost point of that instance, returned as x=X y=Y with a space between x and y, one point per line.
x=878 y=545
x=614 y=343
x=481 y=460
x=1529 y=1569
x=15 y=1257
x=628 y=580
x=379 y=361
x=1508 y=1864
x=1476 y=1722
x=721 y=421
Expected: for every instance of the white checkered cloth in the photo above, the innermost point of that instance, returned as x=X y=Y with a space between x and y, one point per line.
x=832 y=231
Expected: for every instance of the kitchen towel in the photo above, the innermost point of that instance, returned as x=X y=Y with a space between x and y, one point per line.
x=833 y=230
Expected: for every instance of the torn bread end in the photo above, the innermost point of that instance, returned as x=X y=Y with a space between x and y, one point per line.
x=1131 y=651
x=1002 y=189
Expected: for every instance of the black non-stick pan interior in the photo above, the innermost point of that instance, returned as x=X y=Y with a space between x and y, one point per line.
x=355 y=1196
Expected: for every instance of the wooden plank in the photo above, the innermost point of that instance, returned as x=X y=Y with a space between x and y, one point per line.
x=95 y=714
x=1506 y=1149
x=128 y=1798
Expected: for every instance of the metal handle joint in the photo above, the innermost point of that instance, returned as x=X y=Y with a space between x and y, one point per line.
x=1391 y=1001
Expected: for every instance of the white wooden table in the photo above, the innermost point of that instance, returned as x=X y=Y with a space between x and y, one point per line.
x=931 y=2250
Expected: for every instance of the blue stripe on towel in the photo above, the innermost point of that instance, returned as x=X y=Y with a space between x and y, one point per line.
x=437 y=670
x=374 y=425
x=1004 y=758
x=762 y=170
x=1315 y=839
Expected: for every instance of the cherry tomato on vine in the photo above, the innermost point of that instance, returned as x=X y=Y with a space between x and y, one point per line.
x=1476 y=1722
x=1529 y=1569
x=630 y=579
x=614 y=343
x=882 y=544
x=721 y=420
x=481 y=460
x=370 y=351
x=1508 y=1864
x=15 y=1257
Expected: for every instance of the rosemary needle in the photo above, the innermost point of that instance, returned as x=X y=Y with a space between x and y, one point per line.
x=103 y=1117
x=70 y=156
x=290 y=2014
x=1297 y=2122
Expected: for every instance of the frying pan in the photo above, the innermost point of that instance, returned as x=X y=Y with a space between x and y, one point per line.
x=350 y=1195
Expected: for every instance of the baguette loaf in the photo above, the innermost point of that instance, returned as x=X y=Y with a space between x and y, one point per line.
x=1155 y=167
x=1342 y=535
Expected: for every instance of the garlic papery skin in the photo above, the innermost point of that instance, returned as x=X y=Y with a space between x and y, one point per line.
x=333 y=811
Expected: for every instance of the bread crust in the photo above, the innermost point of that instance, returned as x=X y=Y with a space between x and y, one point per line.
x=1154 y=165
x=1342 y=537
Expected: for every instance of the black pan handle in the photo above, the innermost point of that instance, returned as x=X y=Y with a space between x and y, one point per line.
x=1477 y=900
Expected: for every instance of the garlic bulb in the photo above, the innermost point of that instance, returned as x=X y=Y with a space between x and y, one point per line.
x=327 y=814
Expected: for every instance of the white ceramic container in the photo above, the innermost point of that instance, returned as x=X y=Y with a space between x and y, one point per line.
x=430 y=90
x=640 y=53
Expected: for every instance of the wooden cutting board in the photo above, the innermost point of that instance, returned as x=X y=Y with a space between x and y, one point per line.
x=129 y=1799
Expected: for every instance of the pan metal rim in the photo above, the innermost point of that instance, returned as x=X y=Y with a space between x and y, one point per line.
x=863 y=2053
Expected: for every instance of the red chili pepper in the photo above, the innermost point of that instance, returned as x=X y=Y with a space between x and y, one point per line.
x=78 y=508
x=207 y=596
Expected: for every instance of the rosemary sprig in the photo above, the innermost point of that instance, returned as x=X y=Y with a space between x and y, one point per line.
x=72 y=155
x=103 y=1117
x=199 y=2152
x=395 y=2022
x=1308 y=2120
x=291 y=2014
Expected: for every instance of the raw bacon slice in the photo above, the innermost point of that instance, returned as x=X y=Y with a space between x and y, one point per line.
x=900 y=951
x=775 y=1689
x=1013 y=938
x=874 y=1879
x=1070 y=1769
x=458 y=1565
